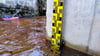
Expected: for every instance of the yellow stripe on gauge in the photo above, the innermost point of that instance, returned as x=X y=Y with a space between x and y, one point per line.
x=55 y=16
x=60 y=15
x=58 y=36
x=55 y=3
x=53 y=41
x=54 y=29
x=59 y=24
x=60 y=9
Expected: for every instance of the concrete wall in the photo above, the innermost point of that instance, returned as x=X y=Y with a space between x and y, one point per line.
x=78 y=16
x=49 y=15
x=94 y=46
x=81 y=24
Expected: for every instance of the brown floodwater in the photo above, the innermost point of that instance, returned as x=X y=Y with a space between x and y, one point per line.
x=27 y=37
x=24 y=37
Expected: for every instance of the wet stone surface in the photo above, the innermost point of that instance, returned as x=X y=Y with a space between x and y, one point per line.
x=25 y=37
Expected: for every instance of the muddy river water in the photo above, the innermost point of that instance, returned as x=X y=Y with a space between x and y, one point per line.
x=27 y=37
x=24 y=37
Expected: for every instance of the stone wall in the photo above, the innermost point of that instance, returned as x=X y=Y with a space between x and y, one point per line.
x=29 y=3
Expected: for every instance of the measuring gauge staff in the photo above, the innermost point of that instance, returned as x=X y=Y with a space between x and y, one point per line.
x=57 y=26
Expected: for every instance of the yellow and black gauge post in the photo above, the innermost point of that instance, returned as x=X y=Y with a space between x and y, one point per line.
x=57 y=26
